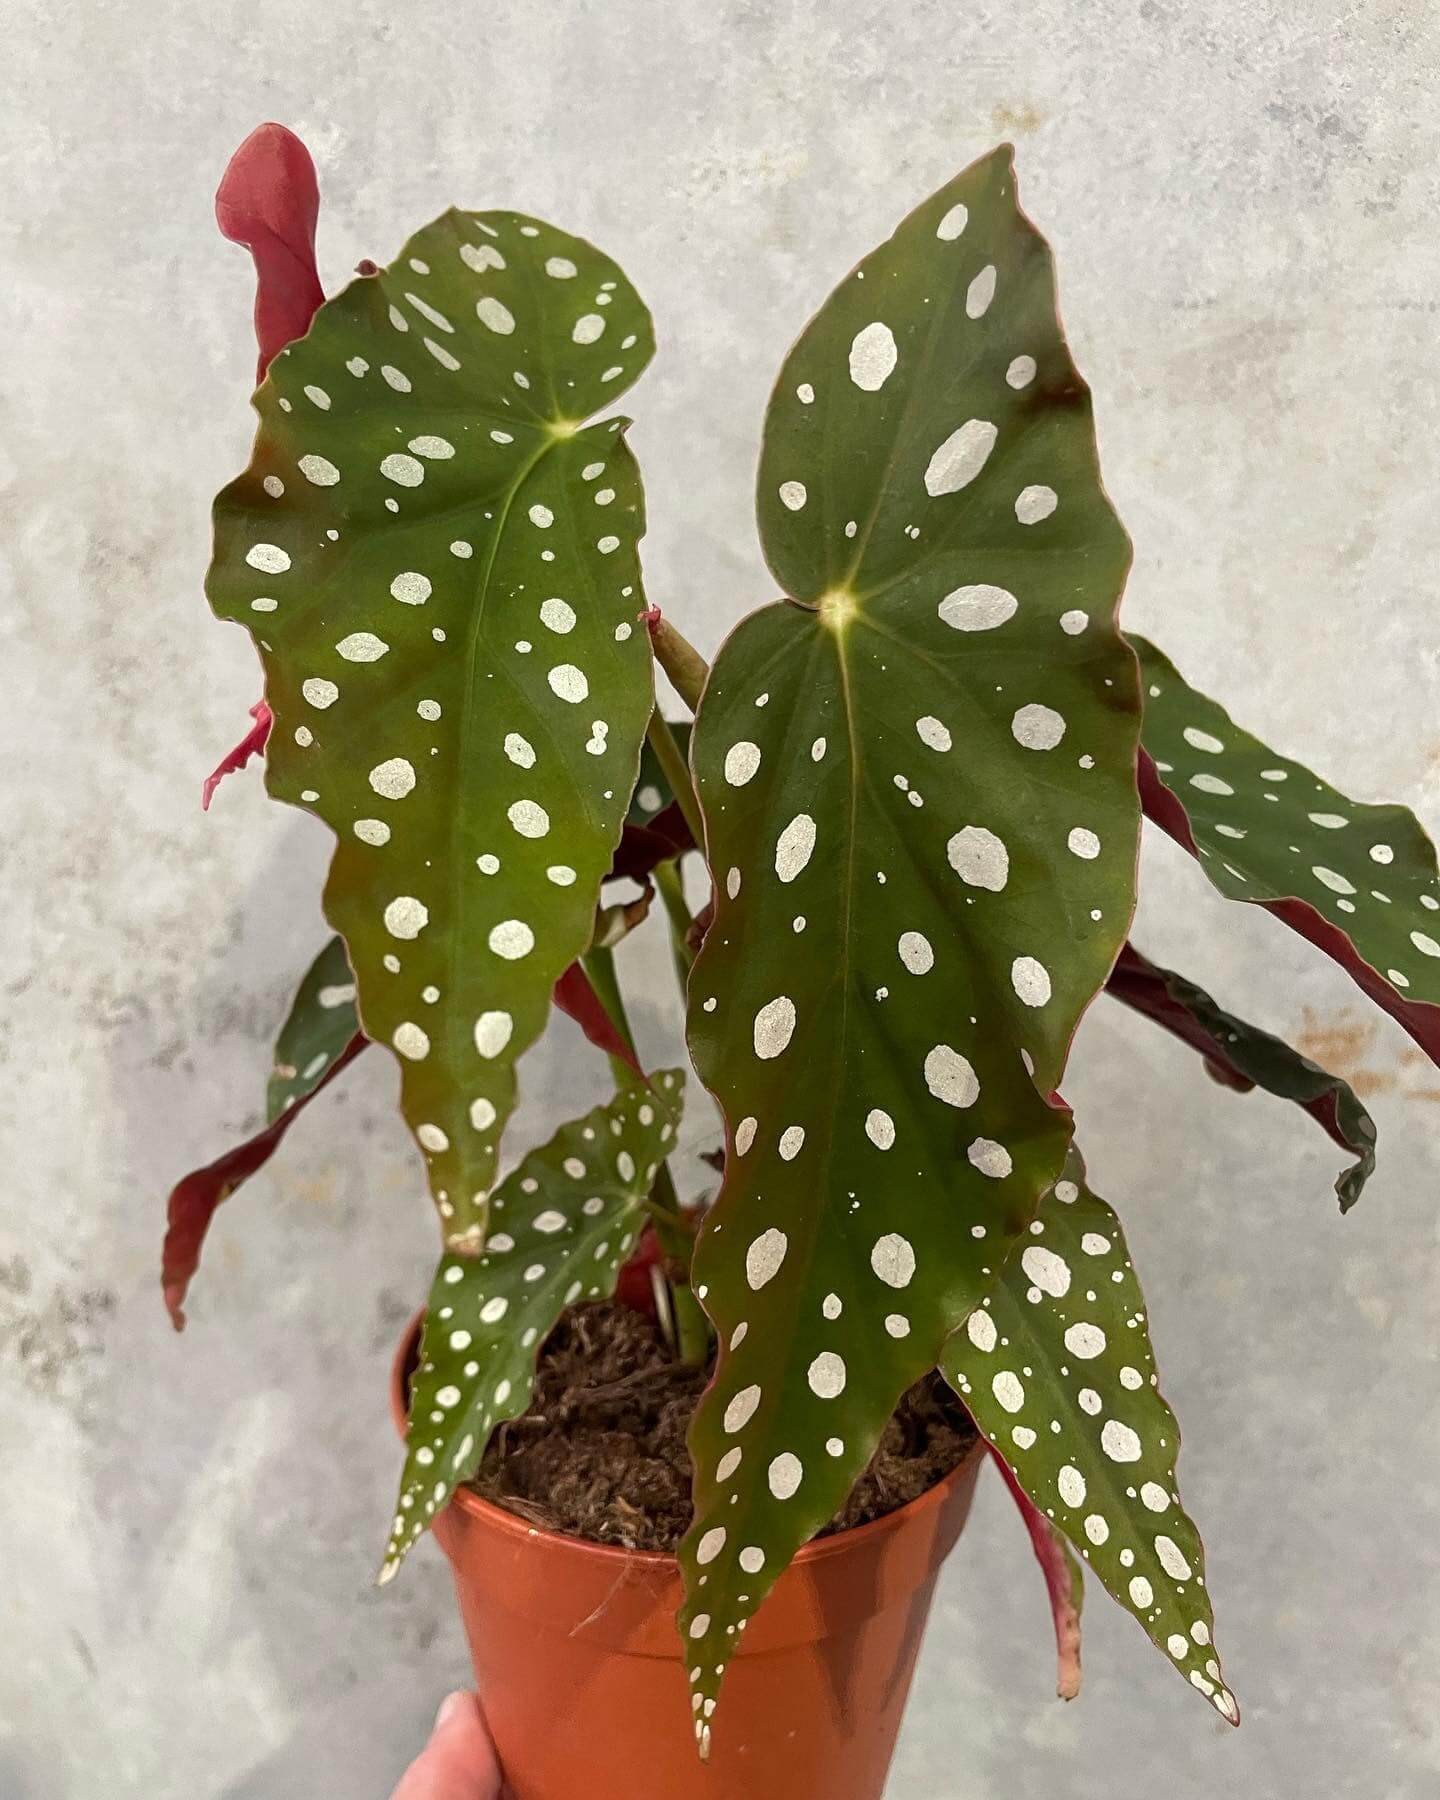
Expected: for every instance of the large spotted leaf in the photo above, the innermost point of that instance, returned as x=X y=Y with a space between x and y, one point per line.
x=1359 y=881
x=320 y=1023
x=438 y=561
x=562 y=1225
x=1242 y=1056
x=917 y=775
x=1057 y=1371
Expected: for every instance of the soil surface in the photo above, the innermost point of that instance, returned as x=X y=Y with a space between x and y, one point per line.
x=601 y=1453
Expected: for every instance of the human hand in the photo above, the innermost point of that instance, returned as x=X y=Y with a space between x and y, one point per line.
x=459 y=1761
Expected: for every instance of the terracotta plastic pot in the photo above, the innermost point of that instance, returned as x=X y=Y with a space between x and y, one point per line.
x=579 y=1668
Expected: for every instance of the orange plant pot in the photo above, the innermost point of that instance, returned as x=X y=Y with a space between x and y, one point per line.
x=579 y=1666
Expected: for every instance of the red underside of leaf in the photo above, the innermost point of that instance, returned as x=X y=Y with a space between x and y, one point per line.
x=1139 y=984
x=194 y=1201
x=269 y=200
x=250 y=745
x=1059 y=1582
x=1420 y=1019
x=642 y=847
x=1136 y=981
x=576 y=998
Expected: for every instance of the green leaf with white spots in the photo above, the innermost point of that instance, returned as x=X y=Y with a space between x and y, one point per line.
x=917 y=776
x=438 y=561
x=562 y=1225
x=1057 y=1371
x=320 y=1024
x=1358 y=881
x=1242 y=1056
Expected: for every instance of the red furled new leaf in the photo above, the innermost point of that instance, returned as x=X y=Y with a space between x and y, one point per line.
x=268 y=200
x=194 y=1201
x=252 y=744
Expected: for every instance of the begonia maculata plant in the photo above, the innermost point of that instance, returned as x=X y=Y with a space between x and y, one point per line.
x=909 y=810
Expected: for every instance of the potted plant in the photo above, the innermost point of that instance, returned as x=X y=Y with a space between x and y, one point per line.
x=914 y=788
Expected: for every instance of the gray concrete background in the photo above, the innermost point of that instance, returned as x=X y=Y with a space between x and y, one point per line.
x=1243 y=201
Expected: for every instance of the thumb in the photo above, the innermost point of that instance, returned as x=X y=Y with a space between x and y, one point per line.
x=459 y=1761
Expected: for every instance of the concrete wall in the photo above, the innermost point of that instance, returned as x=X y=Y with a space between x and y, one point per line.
x=1243 y=199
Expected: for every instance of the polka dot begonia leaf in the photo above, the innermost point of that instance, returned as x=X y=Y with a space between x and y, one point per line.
x=1056 y=1368
x=1359 y=881
x=321 y=1022
x=917 y=775
x=1245 y=1057
x=438 y=560
x=563 y=1224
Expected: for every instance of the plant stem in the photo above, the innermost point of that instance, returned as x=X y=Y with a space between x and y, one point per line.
x=676 y=770
x=598 y=963
x=672 y=892
x=692 y=1329
x=681 y=661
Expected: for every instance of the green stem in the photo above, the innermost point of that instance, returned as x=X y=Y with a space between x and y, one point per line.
x=677 y=1244
x=681 y=661
x=598 y=963
x=677 y=772
x=667 y=880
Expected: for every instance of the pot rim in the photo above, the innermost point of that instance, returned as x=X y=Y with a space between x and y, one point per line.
x=657 y=1561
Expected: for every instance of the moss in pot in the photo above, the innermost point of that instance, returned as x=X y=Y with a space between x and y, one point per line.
x=909 y=806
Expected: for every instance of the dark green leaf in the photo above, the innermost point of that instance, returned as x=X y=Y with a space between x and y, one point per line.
x=1243 y=1056
x=321 y=1023
x=562 y=1225
x=1358 y=881
x=1057 y=1371
x=918 y=783
x=439 y=563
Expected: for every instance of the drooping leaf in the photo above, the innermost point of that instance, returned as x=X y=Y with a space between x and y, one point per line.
x=1056 y=1369
x=1358 y=881
x=269 y=201
x=562 y=1226
x=252 y=744
x=439 y=563
x=320 y=1024
x=1242 y=1056
x=195 y=1198
x=1064 y=1581
x=918 y=782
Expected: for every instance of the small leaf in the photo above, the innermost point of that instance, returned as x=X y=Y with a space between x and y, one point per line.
x=1358 y=881
x=1064 y=1581
x=918 y=786
x=194 y=1200
x=1242 y=1057
x=252 y=744
x=321 y=1023
x=1056 y=1369
x=269 y=201
x=563 y=1225
x=439 y=564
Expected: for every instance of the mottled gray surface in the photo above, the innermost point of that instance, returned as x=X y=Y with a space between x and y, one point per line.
x=1243 y=200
